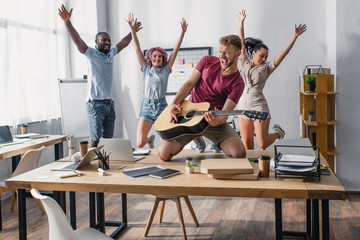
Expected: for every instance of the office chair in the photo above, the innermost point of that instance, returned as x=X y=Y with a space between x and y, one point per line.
x=29 y=161
x=59 y=226
x=176 y=199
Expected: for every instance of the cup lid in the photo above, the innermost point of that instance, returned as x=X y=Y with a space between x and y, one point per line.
x=265 y=157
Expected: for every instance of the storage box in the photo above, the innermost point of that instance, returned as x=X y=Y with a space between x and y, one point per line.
x=315 y=69
x=320 y=70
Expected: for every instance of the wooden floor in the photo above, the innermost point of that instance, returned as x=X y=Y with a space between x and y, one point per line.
x=219 y=218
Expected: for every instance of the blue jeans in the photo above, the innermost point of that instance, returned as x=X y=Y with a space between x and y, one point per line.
x=151 y=109
x=101 y=117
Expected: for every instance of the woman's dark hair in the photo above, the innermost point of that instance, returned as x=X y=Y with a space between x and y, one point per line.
x=253 y=45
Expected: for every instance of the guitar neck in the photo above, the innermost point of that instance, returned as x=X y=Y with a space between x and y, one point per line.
x=221 y=112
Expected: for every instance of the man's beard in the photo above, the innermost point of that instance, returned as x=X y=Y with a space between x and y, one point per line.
x=230 y=63
x=101 y=49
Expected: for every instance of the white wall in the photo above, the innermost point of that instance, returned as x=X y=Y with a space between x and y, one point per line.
x=331 y=32
x=348 y=84
x=208 y=21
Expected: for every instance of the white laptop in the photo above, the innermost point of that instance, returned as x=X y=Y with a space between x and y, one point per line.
x=120 y=149
x=69 y=166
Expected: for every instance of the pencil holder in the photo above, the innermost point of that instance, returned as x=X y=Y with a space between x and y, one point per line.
x=104 y=163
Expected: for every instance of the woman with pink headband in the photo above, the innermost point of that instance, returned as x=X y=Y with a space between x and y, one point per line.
x=156 y=70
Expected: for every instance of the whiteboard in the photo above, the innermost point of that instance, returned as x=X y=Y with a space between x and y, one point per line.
x=185 y=62
x=73 y=107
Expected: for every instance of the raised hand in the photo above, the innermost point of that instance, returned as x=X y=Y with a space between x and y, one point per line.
x=133 y=23
x=130 y=20
x=298 y=30
x=242 y=15
x=64 y=14
x=184 y=25
x=138 y=25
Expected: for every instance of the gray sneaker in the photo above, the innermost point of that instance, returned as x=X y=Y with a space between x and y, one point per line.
x=215 y=148
x=151 y=144
x=276 y=128
x=200 y=145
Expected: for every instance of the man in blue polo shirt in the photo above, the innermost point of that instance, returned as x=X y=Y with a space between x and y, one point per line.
x=100 y=107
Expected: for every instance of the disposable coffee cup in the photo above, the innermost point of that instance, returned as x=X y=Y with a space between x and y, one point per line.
x=83 y=148
x=264 y=165
x=24 y=129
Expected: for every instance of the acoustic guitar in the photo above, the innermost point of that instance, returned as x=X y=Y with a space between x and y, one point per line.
x=191 y=120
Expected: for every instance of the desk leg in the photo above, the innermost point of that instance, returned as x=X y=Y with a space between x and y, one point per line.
x=15 y=161
x=60 y=198
x=120 y=225
x=315 y=219
x=92 y=210
x=280 y=233
x=22 y=214
x=72 y=209
x=325 y=218
x=0 y=215
x=63 y=201
x=278 y=219
x=308 y=217
x=100 y=211
x=101 y=223
x=124 y=208
x=59 y=151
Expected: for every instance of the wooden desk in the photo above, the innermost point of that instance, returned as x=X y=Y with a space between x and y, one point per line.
x=14 y=151
x=182 y=184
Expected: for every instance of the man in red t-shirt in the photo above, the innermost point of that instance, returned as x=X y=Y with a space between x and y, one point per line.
x=218 y=82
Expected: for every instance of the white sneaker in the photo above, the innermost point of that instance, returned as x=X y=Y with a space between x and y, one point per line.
x=276 y=128
x=200 y=145
x=215 y=148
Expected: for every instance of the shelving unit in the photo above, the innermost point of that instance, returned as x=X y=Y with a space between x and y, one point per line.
x=320 y=131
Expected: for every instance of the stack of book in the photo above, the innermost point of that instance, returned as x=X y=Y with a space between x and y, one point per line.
x=236 y=168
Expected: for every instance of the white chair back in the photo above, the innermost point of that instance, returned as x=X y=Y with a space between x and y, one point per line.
x=29 y=161
x=59 y=226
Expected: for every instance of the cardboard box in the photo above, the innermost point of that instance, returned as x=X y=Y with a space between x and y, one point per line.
x=244 y=176
x=226 y=166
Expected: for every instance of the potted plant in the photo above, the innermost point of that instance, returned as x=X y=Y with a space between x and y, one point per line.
x=189 y=165
x=311 y=115
x=311 y=81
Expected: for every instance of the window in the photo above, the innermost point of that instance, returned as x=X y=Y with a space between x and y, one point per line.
x=36 y=51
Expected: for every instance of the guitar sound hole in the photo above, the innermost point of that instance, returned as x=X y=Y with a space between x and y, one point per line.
x=190 y=114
